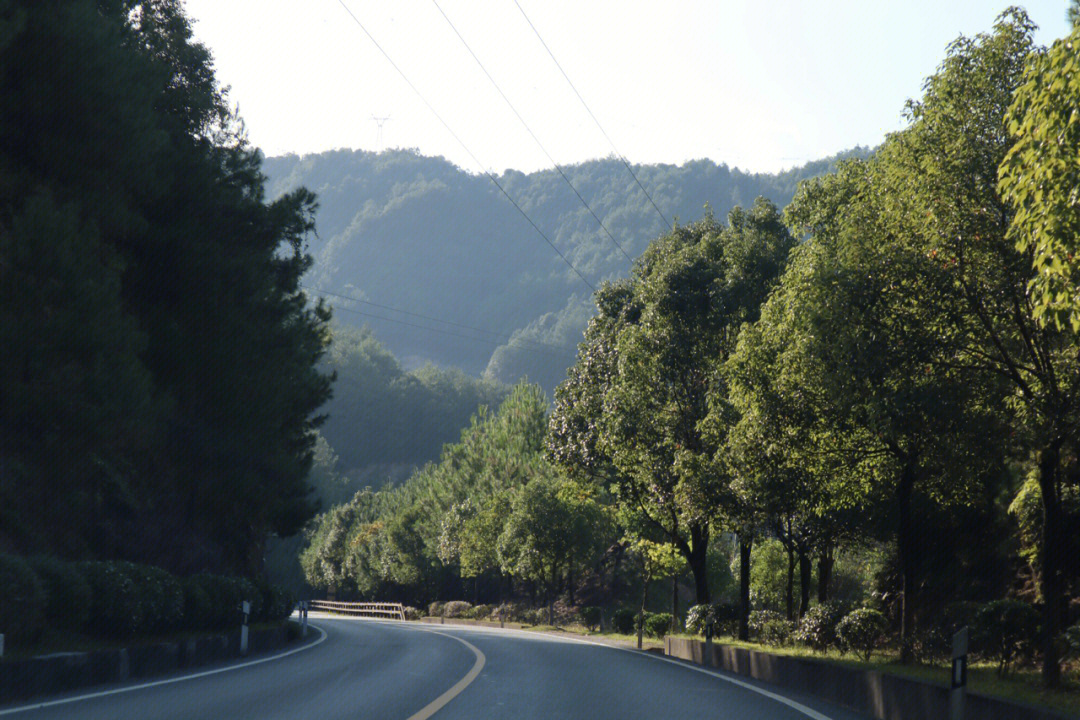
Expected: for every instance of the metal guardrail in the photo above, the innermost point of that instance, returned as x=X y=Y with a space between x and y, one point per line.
x=393 y=610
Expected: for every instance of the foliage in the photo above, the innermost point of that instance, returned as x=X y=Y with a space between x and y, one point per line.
x=771 y=627
x=861 y=630
x=817 y=628
x=1040 y=177
x=159 y=379
x=590 y=617
x=456 y=609
x=117 y=608
x=657 y=625
x=624 y=621
x=699 y=618
x=69 y=595
x=435 y=609
x=23 y=602
x=412 y=613
x=160 y=595
x=1004 y=630
x=481 y=611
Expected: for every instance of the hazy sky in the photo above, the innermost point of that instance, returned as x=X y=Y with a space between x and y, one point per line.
x=759 y=84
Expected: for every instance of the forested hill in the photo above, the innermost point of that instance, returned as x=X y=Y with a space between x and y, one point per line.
x=400 y=230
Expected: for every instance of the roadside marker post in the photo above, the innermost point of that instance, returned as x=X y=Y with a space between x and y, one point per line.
x=303 y=618
x=1 y=646
x=246 y=608
x=959 y=675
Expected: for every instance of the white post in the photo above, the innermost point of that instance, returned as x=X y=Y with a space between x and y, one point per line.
x=1 y=646
x=246 y=607
x=959 y=675
x=303 y=618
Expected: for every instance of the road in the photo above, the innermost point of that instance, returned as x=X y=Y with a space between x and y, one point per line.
x=375 y=669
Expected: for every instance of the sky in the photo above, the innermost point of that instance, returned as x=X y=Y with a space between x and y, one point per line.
x=758 y=84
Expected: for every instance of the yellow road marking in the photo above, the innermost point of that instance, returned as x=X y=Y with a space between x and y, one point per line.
x=437 y=704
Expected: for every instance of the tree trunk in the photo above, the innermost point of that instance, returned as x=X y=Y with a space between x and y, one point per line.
x=746 y=543
x=804 y=582
x=699 y=539
x=907 y=563
x=790 y=581
x=1050 y=581
x=641 y=613
x=674 y=603
x=825 y=568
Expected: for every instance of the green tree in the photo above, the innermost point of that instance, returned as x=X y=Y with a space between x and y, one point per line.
x=1040 y=175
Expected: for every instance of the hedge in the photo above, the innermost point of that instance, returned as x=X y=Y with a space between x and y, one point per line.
x=68 y=594
x=22 y=600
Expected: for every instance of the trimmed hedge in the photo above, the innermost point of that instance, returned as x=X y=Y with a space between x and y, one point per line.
x=657 y=625
x=22 y=600
x=122 y=599
x=68 y=594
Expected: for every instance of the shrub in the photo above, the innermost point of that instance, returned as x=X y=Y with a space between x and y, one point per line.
x=934 y=641
x=508 y=612
x=224 y=595
x=435 y=609
x=23 y=601
x=68 y=596
x=699 y=618
x=862 y=631
x=160 y=595
x=624 y=621
x=198 y=607
x=534 y=616
x=480 y=612
x=817 y=629
x=657 y=625
x=590 y=617
x=726 y=617
x=411 y=613
x=277 y=603
x=456 y=609
x=770 y=627
x=563 y=614
x=117 y=608
x=1004 y=630
x=1072 y=641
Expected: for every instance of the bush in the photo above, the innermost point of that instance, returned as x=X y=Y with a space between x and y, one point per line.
x=456 y=609
x=770 y=627
x=277 y=603
x=480 y=612
x=507 y=612
x=23 y=601
x=590 y=617
x=224 y=595
x=563 y=614
x=534 y=616
x=435 y=609
x=1004 y=630
x=1072 y=642
x=68 y=596
x=624 y=621
x=934 y=641
x=411 y=613
x=862 y=631
x=198 y=607
x=117 y=608
x=817 y=629
x=699 y=618
x=726 y=617
x=657 y=625
x=160 y=595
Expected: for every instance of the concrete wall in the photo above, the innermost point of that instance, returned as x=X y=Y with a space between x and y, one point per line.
x=878 y=695
x=62 y=672
x=468 y=621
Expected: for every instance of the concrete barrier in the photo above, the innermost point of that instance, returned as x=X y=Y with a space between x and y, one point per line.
x=62 y=672
x=879 y=695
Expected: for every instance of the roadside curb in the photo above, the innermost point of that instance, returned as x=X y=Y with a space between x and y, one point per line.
x=56 y=673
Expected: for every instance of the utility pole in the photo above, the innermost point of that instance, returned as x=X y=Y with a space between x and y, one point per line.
x=380 y=121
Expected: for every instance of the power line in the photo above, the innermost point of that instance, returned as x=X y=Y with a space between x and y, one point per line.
x=502 y=336
x=464 y=146
x=531 y=133
x=586 y=106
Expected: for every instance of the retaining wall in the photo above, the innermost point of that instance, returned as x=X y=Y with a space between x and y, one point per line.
x=468 y=621
x=61 y=672
x=875 y=694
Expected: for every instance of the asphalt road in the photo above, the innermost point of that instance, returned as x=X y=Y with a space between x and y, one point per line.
x=379 y=669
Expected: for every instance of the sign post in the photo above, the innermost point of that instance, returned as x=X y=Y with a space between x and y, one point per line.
x=246 y=608
x=959 y=675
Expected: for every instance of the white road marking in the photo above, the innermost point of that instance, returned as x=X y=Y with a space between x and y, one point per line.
x=192 y=676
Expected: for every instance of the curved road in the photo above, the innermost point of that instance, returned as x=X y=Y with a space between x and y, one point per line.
x=379 y=669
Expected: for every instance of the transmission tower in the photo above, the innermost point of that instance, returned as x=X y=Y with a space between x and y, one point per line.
x=379 y=121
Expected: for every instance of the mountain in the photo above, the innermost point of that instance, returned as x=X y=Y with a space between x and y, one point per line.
x=398 y=230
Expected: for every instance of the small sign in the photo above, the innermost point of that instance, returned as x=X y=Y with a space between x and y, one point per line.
x=959 y=672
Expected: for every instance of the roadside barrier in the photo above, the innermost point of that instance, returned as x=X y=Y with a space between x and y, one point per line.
x=392 y=610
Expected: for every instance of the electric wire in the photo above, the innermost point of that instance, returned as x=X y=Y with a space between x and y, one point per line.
x=501 y=336
x=586 y=106
x=465 y=147
x=530 y=131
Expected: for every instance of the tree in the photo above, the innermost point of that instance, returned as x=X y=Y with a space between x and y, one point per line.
x=1040 y=174
x=632 y=406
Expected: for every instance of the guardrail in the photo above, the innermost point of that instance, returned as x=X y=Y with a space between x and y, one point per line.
x=393 y=610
